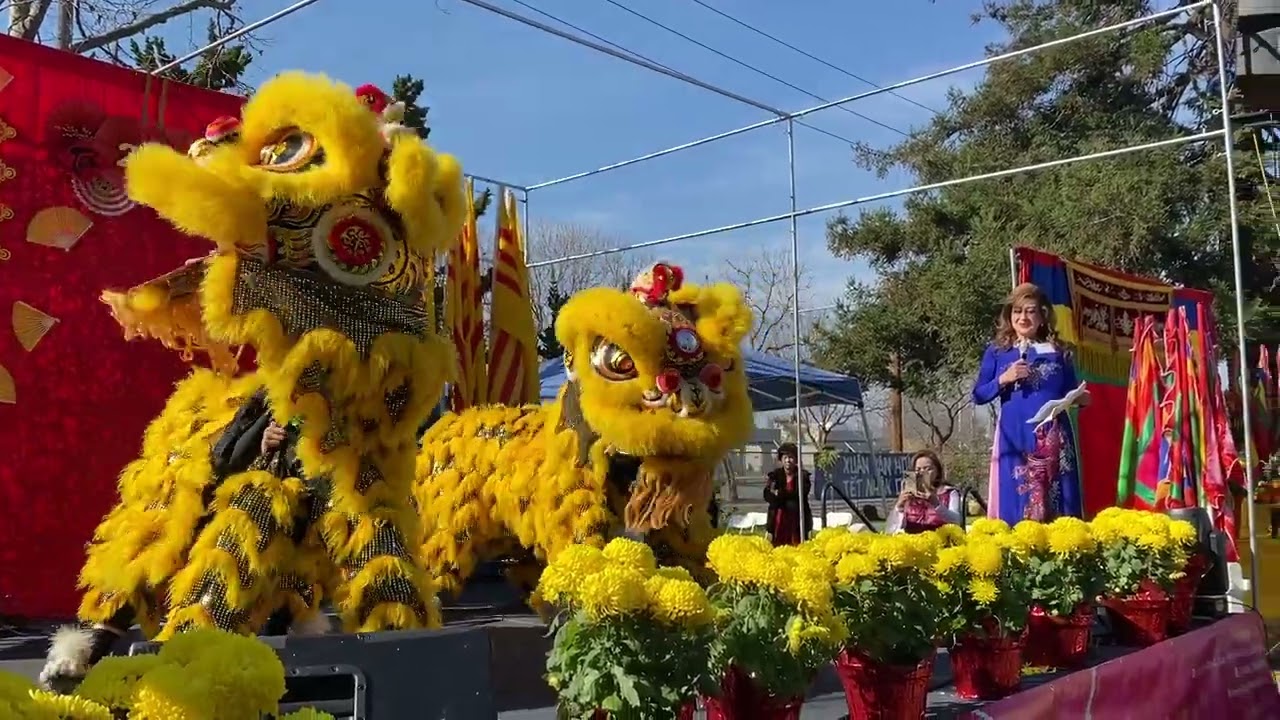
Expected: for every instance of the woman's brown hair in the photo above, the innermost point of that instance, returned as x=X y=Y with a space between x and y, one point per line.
x=940 y=474
x=1006 y=336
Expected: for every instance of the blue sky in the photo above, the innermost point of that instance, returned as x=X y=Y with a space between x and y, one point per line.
x=518 y=104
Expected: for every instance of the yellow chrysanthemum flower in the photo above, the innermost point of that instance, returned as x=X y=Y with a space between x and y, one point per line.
x=989 y=526
x=1153 y=541
x=673 y=573
x=615 y=590
x=855 y=567
x=949 y=559
x=682 y=602
x=68 y=707
x=984 y=558
x=767 y=571
x=169 y=692
x=630 y=553
x=1183 y=533
x=890 y=551
x=950 y=535
x=810 y=593
x=113 y=680
x=943 y=586
x=307 y=714
x=983 y=591
x=1031 y=536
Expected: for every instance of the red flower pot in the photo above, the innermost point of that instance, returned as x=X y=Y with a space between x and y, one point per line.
x=877 y=691
x=1184 y=594
x=742 y=699
x=1141 y=619
x=1058 y=642
x=987 y=668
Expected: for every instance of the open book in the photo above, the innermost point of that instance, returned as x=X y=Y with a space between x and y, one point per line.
x=1053 y=408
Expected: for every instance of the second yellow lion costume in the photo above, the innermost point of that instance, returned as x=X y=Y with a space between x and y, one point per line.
x=655 y=399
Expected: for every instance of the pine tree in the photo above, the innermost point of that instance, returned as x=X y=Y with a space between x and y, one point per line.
x=548 y=346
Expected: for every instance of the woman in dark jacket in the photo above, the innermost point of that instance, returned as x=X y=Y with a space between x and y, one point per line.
x=786 y=496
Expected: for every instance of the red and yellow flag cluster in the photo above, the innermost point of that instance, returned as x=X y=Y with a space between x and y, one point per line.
x=505 y=369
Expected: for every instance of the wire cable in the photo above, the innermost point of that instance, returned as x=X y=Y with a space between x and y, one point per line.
x=809 y=55
x=647 y=59
x=748 y=66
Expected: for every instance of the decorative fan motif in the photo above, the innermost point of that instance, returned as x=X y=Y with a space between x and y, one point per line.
x=5 y=78
x=58 y=227
x=8 y=390
x=7 y=132
x=30 y=325
x=6 y=172
x=102 y=196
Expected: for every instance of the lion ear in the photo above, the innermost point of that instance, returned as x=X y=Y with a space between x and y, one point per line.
x=723 y=316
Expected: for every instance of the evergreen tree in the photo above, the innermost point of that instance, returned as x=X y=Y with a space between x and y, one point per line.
x=548 y=346
x=1160 y=212
x=218 y=69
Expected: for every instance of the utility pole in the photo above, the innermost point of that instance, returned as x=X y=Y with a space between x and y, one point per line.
x=895 y=403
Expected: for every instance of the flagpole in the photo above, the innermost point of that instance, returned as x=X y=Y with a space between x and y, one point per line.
x=1013 y=267
x=1237 y=263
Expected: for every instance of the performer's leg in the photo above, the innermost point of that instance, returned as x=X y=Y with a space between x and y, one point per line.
x=74 y=650
x=231 y=575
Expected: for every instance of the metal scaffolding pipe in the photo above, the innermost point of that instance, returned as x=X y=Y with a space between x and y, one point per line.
x=235 y=34
x=876 y=91
x=1198 y=137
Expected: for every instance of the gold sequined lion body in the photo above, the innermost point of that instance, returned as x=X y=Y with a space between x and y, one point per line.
x=326 y=219
x=656 y=396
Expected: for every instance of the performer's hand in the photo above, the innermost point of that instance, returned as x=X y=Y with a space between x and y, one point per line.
x=1020 y=370
x=272 y=437
x=1084 y=399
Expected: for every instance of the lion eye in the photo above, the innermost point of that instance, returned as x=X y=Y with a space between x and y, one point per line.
x=612 y=362
x=292 y=150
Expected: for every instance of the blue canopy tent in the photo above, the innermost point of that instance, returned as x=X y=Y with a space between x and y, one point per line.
x=771 y=381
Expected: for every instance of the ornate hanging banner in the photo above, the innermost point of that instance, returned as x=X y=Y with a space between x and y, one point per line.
x=1107 y=308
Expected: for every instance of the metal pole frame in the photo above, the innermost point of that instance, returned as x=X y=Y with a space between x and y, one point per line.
x=801 y=488
x=1238 y=269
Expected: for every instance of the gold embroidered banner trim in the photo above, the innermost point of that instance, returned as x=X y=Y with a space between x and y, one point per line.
x=1107 y=309
x=7 y=132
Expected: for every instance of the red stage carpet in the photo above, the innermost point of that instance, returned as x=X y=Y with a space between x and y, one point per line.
x=81 y=396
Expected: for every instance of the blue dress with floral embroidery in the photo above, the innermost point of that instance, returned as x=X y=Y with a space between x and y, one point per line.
x=1034 y=474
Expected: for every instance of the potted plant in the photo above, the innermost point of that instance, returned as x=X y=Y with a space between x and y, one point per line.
x=1185 y=540
x=632 y=639
x=1065 y=578
x=986 y=594
x=775 y=627
x=887 y=599
x=1140 y=563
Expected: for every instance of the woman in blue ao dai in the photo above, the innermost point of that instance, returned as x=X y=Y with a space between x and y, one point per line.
x=1034 y=468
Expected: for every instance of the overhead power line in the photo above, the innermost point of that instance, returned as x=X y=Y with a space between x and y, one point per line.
x=647 y=59
x=747 y=65
x=815 y=58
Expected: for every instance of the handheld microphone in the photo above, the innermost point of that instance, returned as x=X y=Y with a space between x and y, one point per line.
x=1023 y=347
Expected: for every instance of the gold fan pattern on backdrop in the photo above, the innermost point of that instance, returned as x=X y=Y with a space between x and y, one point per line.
x=58 y=227
x=8 y=391
x=30 y=325
x=7 y=133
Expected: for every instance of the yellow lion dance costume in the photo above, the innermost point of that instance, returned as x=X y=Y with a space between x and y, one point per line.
x=656 y=396
x=326 y=220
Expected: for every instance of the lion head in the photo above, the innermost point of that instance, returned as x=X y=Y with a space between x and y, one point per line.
x=320 y=220
x=656 y=374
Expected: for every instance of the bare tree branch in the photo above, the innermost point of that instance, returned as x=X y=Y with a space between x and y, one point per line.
x=147 y=22
x=26 y=17
x=766 y=282
x=552 y=241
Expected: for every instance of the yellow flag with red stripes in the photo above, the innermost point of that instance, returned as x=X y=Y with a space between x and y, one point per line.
x=464 y=312
x=513 y=349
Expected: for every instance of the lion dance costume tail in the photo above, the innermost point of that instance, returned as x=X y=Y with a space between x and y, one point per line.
x=326 y=221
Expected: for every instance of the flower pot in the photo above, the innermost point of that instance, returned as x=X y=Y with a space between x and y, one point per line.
x=1057 y=641
x=741 y=699
x=1139 y=620
x=878 y=691
x=1184 y=594
x=987 y=668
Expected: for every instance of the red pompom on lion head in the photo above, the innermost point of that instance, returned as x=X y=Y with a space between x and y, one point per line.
x=374 y=98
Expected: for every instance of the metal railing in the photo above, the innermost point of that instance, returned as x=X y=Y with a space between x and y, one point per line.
x=826 y=497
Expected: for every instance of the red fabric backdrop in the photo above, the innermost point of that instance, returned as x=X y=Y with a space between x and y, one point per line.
x=84 y=395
